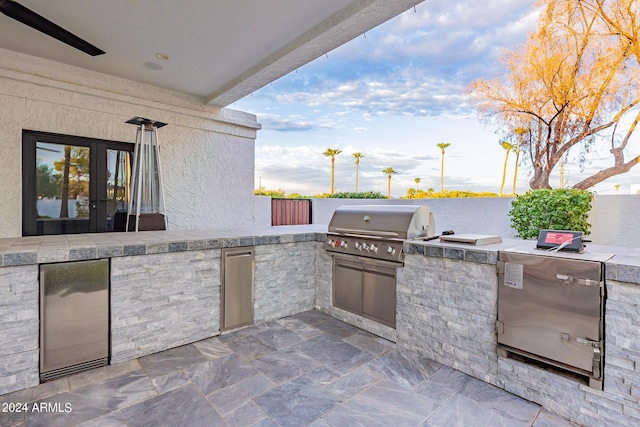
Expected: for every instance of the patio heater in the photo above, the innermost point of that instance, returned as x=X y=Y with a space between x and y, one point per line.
x=146 y=199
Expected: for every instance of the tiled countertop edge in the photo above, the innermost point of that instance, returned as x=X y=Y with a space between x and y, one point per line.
x=624 y=266
x=456 y=252
x=86 y=251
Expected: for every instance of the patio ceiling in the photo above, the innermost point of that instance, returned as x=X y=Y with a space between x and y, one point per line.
x=219 y=51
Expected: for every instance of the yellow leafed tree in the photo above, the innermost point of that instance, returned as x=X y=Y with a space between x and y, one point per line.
x=576 y=79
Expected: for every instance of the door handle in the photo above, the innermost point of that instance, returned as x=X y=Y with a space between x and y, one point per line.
x=584 y=282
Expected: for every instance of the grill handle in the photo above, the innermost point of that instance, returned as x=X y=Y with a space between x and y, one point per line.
x=366 y=232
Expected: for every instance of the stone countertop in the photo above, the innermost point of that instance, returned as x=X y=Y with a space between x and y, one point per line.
x=74 y=247
x=622 y=263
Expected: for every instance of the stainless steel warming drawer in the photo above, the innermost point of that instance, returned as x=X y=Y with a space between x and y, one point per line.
x=550 y=308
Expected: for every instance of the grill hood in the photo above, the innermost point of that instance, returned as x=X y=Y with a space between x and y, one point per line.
x=386 y=221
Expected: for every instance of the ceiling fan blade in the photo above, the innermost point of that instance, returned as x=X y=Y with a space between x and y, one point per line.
x=28 y=17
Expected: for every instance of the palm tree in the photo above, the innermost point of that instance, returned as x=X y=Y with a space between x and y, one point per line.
x=417 y=180
x=442 y=146
x=358 y=156
x=520 y=132
x=389 y=171
x=332 y=152
x=509 y=147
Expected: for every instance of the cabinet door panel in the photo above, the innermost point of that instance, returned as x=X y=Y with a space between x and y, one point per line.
x=347 y=288
x=237 y=287
x=379 y=297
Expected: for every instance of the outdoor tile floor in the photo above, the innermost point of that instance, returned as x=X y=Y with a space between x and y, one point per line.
x=307 y=369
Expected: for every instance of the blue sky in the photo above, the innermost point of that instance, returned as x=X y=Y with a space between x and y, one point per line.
x=393 y=94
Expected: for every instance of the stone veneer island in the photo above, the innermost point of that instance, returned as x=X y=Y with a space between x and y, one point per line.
x=165 y=292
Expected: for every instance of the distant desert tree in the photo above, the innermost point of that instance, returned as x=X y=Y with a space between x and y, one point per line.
x=442 y=147
x=332 y=152
x=357 y=156
x=389 y=171
x=508 y=147
x=575 y=83
x=417 y=181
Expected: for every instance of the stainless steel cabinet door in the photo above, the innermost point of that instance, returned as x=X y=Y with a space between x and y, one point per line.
x=74 y=313
x=347 y=285
x=379 y=294
x=365 y=287
x=550 y=307
x=237 y=287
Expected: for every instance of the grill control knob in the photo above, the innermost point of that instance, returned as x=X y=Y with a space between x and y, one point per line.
x=390 y=250
x=358 y=246
x=365 y=246
x=330 y=242
x=343 y=244
x=373 y=248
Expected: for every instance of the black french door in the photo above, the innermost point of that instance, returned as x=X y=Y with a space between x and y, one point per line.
x=73 y=184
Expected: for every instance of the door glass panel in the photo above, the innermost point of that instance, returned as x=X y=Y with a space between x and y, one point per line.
x=118 y=173
x=62 y=188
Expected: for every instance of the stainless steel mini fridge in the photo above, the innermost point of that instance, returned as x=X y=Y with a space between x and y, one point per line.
x=74 y=317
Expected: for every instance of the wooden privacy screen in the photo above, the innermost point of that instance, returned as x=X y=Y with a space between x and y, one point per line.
x=290 y=211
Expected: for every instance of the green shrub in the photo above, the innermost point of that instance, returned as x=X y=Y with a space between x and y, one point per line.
x=279 y=193
x=559 y=209
x=359 y=195
x=413 y=193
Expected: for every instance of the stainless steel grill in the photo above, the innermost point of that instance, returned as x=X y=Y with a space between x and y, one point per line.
x=377 y=231
x=366 y=242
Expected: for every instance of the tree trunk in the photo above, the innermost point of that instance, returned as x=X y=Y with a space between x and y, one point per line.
x=64 y=205
x=442 y=172
x=515 y=173
x=389 y=186
x=333 y=162
x=607 y=173
x=540 y=179
x=504 y=172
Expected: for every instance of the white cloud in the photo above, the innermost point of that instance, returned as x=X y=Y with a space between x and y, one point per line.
x=285 y=124
x=417 y=64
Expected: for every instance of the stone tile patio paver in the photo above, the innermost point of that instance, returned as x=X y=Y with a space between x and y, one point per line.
x=303 y=370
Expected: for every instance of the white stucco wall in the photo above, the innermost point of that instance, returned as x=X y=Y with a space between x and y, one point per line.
x=263 y=211
x=207 y=153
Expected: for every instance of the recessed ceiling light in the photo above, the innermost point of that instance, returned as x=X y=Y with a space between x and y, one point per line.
x=162 y=56
x=153 y=66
